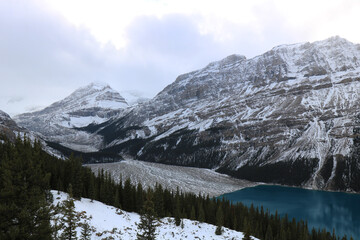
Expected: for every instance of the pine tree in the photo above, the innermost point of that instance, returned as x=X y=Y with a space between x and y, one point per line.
x=85 y=231
x=57 y=223
x=219 y=220
x=192 y=213
x=117 y=199
x=85 y=228
x=128 y=201
x=24 y=209
x=201 y=216
x=159 y=201
x=76 y=176
x=139 y=197
x=91 y=190
x=177 y=211
x=269 y=233
x=148 y=221
x=71 y=218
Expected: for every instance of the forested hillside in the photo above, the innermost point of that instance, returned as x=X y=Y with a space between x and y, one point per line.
x=27 y=174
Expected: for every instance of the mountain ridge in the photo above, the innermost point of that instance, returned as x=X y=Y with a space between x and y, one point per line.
x=291 y=110
x=288 y=116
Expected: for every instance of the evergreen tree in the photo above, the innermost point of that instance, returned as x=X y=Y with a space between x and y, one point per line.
x=177 y=211
x=159 y=201
x=201 y=216
x=71 y=218
x=219 y=220
x=117 y=199
x=269 y=233
x=91 y=190
x=148 y=222
x=57 y=224
x=85 y=228
x=139 y=197
x=76 y=176
x=182 y=224
x=192 y=213
x=128 y=201
x=24 y=209
x=85 y=231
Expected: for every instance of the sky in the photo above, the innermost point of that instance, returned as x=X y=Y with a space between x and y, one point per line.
x=49 y=48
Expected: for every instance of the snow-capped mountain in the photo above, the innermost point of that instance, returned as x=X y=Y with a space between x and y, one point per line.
x=60 y=122
x=289 y=116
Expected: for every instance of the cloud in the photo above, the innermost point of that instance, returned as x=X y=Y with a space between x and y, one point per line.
x=15 y=100
x=44 y=57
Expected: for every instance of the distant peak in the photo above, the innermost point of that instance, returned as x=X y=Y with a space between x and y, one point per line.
x=98 y=85
x=335 y=40
x=93 y=87
x=233 y=58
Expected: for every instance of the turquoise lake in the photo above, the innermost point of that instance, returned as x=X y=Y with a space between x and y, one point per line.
x=320 y=209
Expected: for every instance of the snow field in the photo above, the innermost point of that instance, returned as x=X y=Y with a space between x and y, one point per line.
x=109 y=221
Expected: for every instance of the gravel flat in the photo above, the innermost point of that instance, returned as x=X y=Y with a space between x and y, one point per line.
x=188 y=179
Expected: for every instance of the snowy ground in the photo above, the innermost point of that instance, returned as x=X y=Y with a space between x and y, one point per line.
x=188 y=179
x=105 y=219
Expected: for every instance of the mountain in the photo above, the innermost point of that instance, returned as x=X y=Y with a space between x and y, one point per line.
x=60 y=122
x=289 y=116
x=8 y=127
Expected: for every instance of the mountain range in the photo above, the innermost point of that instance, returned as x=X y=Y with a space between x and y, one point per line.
x=289 y=116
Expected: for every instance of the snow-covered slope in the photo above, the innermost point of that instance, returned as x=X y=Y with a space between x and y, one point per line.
x=134 y=97
x=93 y=104
x=105 y=219
x=287 y=116
x=186 y=179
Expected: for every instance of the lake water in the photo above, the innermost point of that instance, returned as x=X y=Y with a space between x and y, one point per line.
x=320 y=209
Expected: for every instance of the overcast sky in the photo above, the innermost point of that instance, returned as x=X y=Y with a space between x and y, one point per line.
x=48 y=48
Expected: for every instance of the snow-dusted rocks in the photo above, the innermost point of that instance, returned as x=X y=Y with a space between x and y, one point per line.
x=9 y=128
x=109 y=221
x=93 y=104
x=288 y=116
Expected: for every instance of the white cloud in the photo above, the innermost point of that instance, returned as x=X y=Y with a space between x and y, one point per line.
x=50 y=47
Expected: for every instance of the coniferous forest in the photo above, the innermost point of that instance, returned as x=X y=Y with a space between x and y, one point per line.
x=27 y=174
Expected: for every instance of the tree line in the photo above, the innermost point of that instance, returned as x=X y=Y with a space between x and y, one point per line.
x=27 y=174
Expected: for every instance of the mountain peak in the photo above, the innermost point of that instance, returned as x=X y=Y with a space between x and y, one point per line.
x=95 y=94
x=335 y=39
x=98 y=85
x=233 y=58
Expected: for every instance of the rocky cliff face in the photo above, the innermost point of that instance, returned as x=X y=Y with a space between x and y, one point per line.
x=8 y=127
x=60 y=122
x=288 y=116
